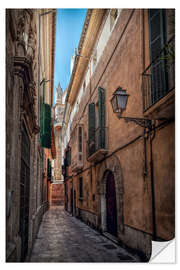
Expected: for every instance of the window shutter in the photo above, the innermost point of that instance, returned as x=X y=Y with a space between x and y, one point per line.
x=41 y=116
x=91 y=128
x=80 y=139
x=156 y=32
x=68 y=156
x=48 y=169
x=46 y=126
x=42 y=90
x=156 y=43
x=102 y=118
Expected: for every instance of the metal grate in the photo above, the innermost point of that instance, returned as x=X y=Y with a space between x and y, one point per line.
x=159 y=77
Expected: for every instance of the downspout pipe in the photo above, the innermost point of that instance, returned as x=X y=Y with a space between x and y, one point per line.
x=152 y=187
x=143 y=67
x=151 y=143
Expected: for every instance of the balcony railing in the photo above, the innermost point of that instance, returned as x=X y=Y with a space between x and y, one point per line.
x=159 y=76
x=100 y=142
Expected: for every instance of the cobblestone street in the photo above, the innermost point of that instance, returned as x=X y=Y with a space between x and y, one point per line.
x=63 y=238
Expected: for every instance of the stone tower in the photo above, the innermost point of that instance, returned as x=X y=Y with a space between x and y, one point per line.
x=58 y=185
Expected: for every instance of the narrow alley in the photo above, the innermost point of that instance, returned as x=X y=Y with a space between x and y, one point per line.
x=90 y=133
x=63 y=238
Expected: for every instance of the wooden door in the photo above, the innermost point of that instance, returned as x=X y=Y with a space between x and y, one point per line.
x=75 y=202
x=71 y=200
x=111 y=205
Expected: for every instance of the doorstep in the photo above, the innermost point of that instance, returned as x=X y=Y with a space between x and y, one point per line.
x=111 y=237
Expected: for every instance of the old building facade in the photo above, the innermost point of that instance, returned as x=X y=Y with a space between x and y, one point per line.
x=26 y=192
x=119 y=175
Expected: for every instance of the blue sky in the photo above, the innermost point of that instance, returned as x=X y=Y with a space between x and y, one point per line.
x=69 y=26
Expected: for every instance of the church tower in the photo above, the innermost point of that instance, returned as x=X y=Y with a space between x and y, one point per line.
x=58 y=185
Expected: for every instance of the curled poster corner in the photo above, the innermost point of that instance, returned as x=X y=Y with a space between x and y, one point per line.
x=163 y=252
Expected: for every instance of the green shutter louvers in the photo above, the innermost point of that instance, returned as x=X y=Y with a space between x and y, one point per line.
x=102 y=119
x=45 y=117
x=48 y=169
x=156 y=19
x=91 y=129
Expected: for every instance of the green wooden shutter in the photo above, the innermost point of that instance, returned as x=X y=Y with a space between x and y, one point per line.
x=42 y=89
x=102 y=118
x=91 y=129
x=46 y=126
x=48 y=168
x=41 y=117
x=156 y=32
x=156 y=43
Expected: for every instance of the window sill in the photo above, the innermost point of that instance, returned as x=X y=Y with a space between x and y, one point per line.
x=164 y=108
x=98 y=155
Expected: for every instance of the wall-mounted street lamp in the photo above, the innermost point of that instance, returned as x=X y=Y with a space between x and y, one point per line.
x=119 y=102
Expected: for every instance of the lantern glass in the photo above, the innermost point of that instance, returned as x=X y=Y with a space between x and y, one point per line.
x=122 y=101
x=114 y=103
x=119 y=100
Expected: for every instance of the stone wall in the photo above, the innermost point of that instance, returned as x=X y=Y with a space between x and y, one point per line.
x=57 y=197
x=21 y=109
x=88 y=217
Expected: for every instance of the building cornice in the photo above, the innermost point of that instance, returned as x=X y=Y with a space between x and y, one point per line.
x=89 y=34
x=53 y=52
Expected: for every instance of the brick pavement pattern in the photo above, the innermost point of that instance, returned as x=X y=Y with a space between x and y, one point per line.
x=63 y=238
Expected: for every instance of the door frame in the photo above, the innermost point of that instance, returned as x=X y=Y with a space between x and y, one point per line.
x=112 y=164
x=110 y=174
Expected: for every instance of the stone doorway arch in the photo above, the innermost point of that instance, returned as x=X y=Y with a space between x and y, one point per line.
x=111 y=164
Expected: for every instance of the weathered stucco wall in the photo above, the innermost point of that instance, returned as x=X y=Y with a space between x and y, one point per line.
x=122 y=64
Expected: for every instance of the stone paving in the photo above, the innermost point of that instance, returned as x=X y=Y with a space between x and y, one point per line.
x=63 y=238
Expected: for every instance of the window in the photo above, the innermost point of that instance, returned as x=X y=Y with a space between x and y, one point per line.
x=113 y=17
x=91 y=129
x=68 y=156
x=80 y=187
x=48 y=169
x=156 y=19
x=80 y=139
x=97 y=124
x=45 y=126
x=97 y=115
x=102 y=118
x=77 y=148
x=94 y=60
x=84 y=86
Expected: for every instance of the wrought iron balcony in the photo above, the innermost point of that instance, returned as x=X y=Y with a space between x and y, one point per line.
x=159 y=76
x=97 y=149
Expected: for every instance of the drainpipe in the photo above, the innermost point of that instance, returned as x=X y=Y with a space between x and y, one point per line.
x=151 y=141
x=143 y=67
x=152 y=187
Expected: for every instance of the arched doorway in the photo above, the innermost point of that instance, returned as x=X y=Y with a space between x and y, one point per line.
x=110 y=169
x=111 y=208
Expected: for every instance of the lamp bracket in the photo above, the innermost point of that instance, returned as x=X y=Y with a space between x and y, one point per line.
x=145 y=123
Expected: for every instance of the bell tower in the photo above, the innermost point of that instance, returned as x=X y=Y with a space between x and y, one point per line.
x=58 y=184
